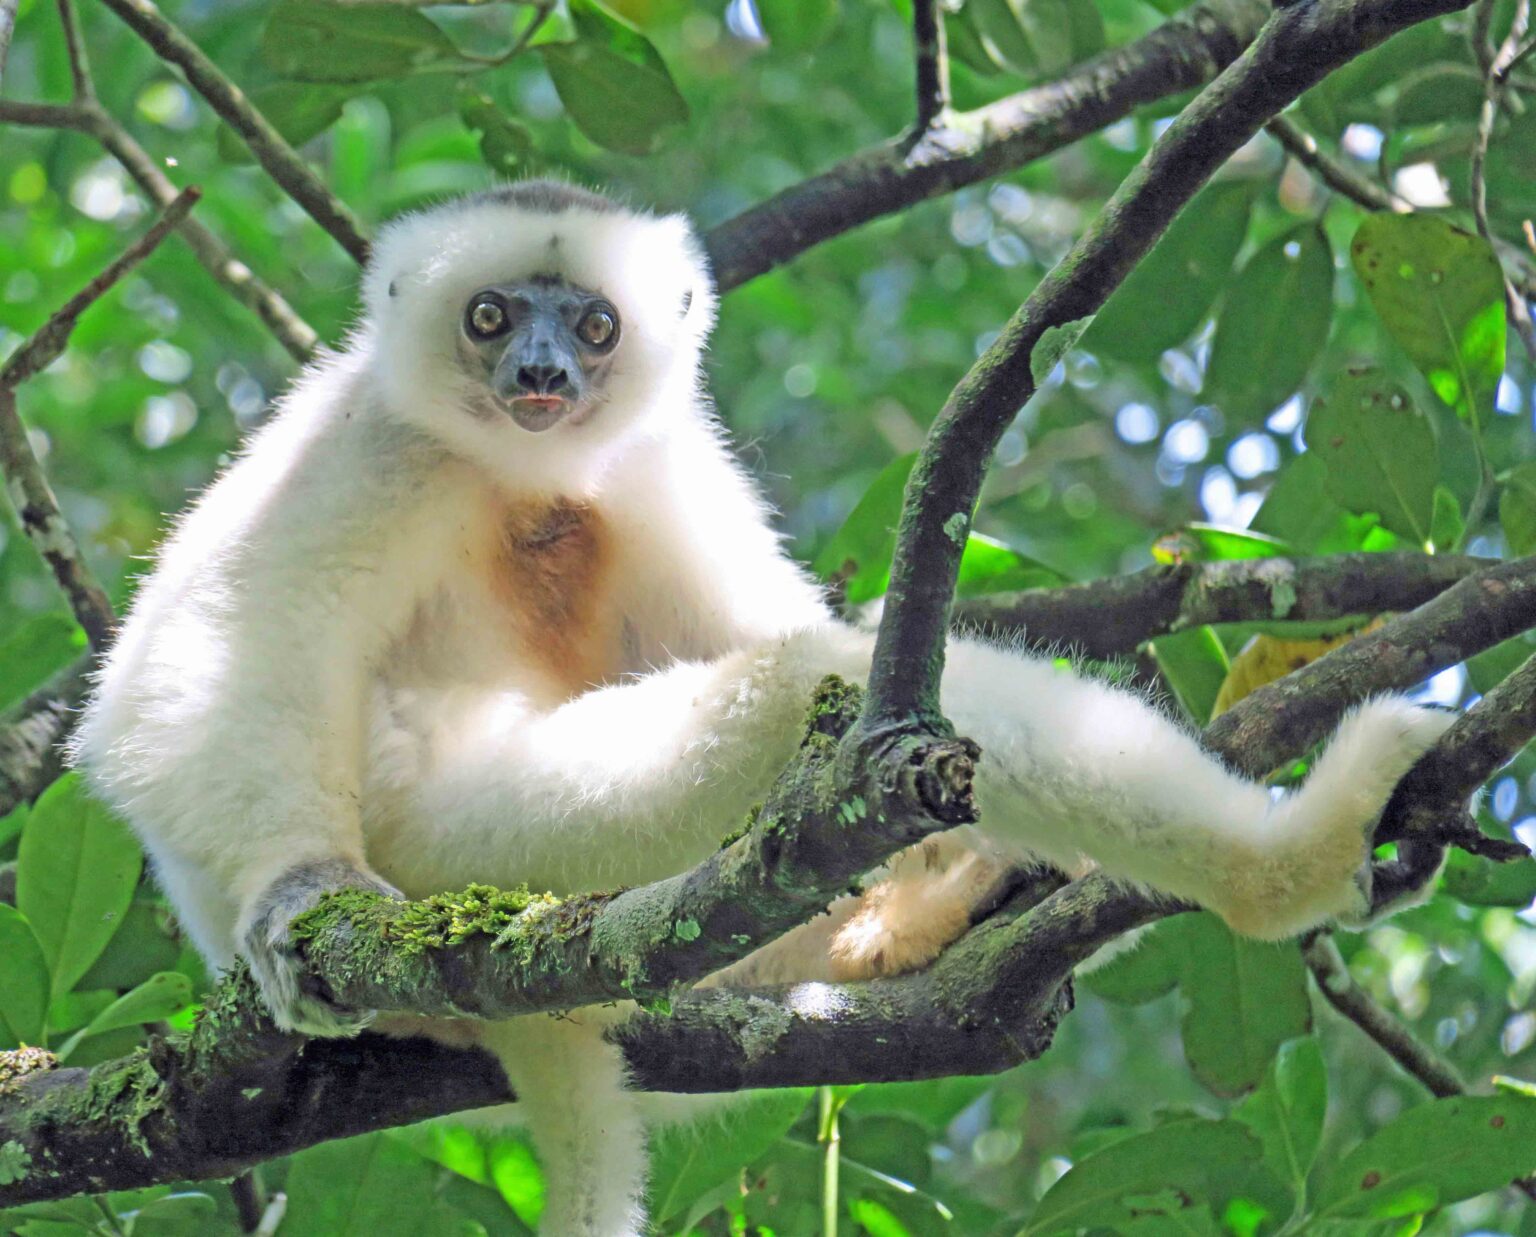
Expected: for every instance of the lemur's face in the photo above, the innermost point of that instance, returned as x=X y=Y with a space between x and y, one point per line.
x=541 y=349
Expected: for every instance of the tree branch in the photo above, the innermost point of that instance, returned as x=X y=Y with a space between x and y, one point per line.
x=1334 y=173
x=270 y=148
x=966 y=147
x=1285 y=718
x=1111 y=617
x=1299 y=45
x=932 y=64
x=31 y=731
x=36 y=507
x=7 y=28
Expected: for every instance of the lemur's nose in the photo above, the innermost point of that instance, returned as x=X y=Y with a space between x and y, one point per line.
x=543 y=379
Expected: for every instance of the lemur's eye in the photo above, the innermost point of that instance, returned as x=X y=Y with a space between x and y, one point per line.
x=487 y=317
x=599 y=327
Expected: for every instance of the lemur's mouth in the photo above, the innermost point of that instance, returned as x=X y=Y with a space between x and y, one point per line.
x=537 y=413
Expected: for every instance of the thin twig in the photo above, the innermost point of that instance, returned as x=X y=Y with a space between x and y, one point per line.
x=1495 y=86
x=7 y=28
x=296 y=336
x=79 y=62
x=1334 y=173
x=250 y=1205
x=272 y=1217
x=270 y=148
x=932 y=63
x=26 y=484
x=1345 y=995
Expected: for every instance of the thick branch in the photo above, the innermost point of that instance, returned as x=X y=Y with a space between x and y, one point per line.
x=1298 y=46
x=1287 y=717
x=28 y=488
x=1111 y=617
x=270 y=148
x=826 y=822
x=967 y=147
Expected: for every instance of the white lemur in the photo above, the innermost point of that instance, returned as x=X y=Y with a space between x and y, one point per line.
x=490 y=600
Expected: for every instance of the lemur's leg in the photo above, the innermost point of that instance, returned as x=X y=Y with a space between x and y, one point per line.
x=635 y=782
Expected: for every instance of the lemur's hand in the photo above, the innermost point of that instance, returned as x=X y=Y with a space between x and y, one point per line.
x=297 y=1001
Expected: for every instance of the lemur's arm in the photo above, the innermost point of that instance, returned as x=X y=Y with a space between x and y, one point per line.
x=230 y=723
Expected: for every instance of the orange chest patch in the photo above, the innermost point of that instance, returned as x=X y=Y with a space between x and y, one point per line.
x=552 y=572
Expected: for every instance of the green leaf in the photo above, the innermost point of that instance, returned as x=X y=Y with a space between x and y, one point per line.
x=989 y=566
x=299 y=113
x=1517 y=508
x=1299 y=510
x=797 y=25
x=1145 y=971
x=158 y=997
x=1195 y=665
x=358 y=1187
x=1446 y=525
x=77 y=869
x=1210 y=543
x=23 y=981
x=1273 y=322
x=613 y=83
x=688 y=1160
x=1001 y=34
x=1176 y=1166
x=505 y=146
x=32 y=654
x=1245 y=999
x=1167 y=295
x=1287 y=1111
x=188 y=1212
x=1440 y=292
x=1435 y=1155
x=309 y=41
x=1379 y=451
x=1478 y=882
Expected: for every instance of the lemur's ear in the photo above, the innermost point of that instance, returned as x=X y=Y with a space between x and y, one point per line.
x=687 y=301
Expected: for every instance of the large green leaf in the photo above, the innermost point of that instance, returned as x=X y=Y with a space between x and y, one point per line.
x=1245 y=999
x=1273 y=322
x=76 y=872
x=23 y=981
x=1175 y=1167
x=298 y=111
x=309 y=41
x=1434 y=1155
x=1379 y=451
x=613 y=83
x=358 y=1187
x=1165 y=298
x=1194 y=663
x=1440 y=292
x=1287 y=1111
x=1477 y=882
x=1143 y=972
x=157 y=998
x=688 y=1160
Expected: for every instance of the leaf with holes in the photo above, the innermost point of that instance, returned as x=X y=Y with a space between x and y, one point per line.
x=76 y=872
x=1440 y=292
x=1379 y=451
x=1434 y=1155
x=1273 y=322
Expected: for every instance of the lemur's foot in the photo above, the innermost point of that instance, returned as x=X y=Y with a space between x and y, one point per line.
x=297 y=1001
x=1313 y=862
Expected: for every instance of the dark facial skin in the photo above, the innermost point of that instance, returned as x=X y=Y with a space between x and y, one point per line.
x=542 y=346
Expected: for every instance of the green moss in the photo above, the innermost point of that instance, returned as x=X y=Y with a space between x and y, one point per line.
x=437 y=922
x=447 y=919
x=126 y=1093
x=834 y=705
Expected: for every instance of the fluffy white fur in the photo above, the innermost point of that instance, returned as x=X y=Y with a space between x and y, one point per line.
x=320 y=669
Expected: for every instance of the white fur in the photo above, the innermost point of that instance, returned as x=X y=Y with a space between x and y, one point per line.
x=318 y=670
